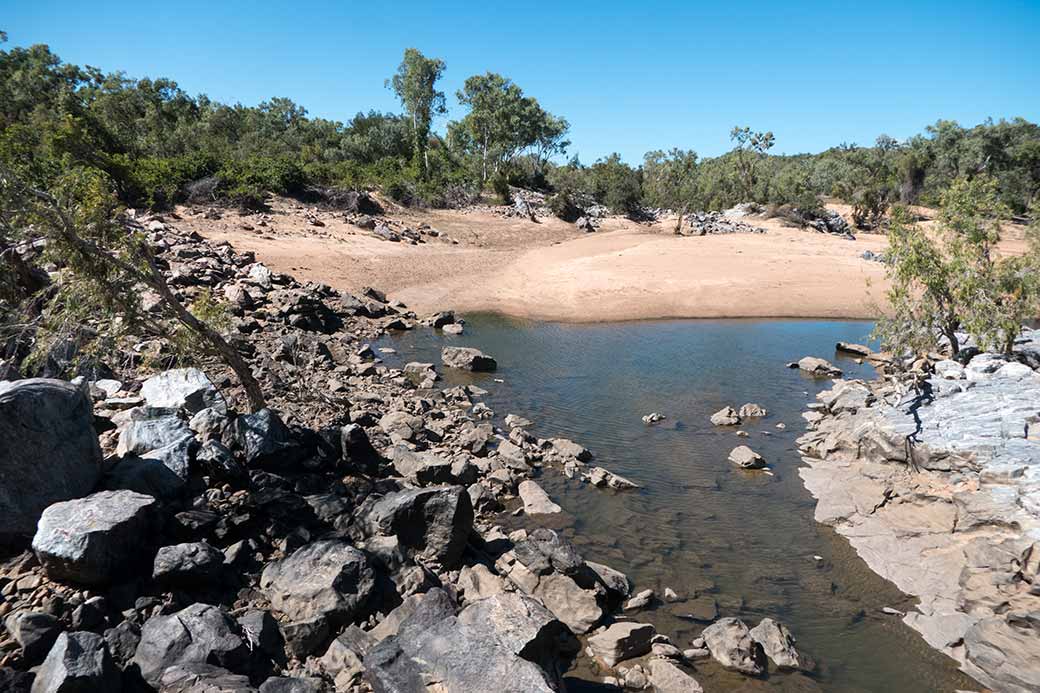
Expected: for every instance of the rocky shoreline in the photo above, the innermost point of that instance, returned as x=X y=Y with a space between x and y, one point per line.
x=938 y=491
x=159 y=536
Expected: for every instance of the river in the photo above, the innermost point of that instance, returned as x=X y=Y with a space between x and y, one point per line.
x=745 y=541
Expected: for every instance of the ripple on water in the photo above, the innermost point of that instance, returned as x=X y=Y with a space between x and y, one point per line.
x=746 y=540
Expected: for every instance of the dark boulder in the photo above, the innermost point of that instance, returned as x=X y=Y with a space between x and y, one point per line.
x=187 y=564
x=34 y=631
x=198 y=634
x=266 y=441
x=433 y=524
x=48 y=451
x=79 y=662
x=95 y=539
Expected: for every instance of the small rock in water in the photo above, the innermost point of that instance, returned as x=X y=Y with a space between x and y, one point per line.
x=727 y=416
x=781 y=426
x=751 y=410
x=892 y=612
x=742 y=434
x=640 y=600
x=653 y=418
x=746 y=458
x=670 y=595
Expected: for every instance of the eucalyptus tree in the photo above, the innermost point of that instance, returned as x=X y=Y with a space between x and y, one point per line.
x=415 y=85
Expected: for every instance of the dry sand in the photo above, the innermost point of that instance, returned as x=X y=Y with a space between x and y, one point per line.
x=549 y=270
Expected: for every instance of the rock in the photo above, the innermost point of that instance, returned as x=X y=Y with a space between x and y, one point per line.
x=198 y=634
x=751 y=410
x=424 y=468
x=642 y=599
x=599 y=476
x=568 y=448
x=577 y=607
x=665 y=677
x=328 y=581
x=198 y=677
x=190 y=564
x=727 y=416
x=732 y=646
x=467 y=359
x=433 y=523
x=122 y=642
x=265 y=440
x=536 y=501
x=34 y=632
x=778 y=644
x=621 y=641
x=49 y=451
x=652 y=418
x=477 y=582
x=703 y=608
x=183 y=388
x=746 y=458
x=95 y=539
x=819 y=367
x=78 y=662
x=850 y=348
x=285 y=684
x=515 y=421
x=454 y=328
x=614 y=580
x=484 y=648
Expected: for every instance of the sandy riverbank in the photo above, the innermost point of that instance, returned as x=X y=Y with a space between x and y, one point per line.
x=549 y=270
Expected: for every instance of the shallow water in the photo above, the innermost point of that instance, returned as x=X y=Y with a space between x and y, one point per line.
x=699 y=525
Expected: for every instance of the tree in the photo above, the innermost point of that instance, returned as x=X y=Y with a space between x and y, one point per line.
x=502 y=123
x=751 y=147
x=415 y=85
x=106 y=265
x=953 y=278
x=670 y=181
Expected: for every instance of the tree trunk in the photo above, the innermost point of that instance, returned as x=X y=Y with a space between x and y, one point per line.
x=216 y=343
x=679 y=221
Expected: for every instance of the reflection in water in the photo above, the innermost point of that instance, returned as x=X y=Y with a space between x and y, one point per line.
x=744 y=541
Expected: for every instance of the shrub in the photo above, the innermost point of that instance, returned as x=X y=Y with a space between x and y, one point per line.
x=563 y=206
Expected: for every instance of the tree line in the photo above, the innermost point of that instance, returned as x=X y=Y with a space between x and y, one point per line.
x=157 y=146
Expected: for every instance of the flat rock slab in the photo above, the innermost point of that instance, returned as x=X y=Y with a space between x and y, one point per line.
x=536 y=500
x=468 y=359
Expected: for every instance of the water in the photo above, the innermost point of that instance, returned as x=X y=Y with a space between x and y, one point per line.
x=700 y=525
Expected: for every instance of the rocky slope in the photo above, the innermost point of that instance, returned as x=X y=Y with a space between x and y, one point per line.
x=939 y=492
x=159 y=537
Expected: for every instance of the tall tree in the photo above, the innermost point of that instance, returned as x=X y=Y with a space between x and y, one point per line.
x=415 y=85
x=751 y=147
x=670 y=180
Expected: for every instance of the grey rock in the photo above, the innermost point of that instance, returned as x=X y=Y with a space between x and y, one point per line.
x=746 y=458
x=819 y=367
x=727 y=416
x=265 y=439
x=536 y=500
x=78 y=663
x=191 y=564
x=182 y=388
x=49 y=451
x=327 y=580
x=621 y=641
x=147 y=476
x=92 y=540
x=665 y=677
x=198 y=634
x=34 y=631
x=285 y=684
x=778 y=644
x=467 y=359
x=751 y=410
x=433 y=524
x=732 y=646
x=199 y=677
x=614 y=580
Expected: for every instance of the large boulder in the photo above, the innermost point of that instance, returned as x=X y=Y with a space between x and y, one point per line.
x=49 y=451
x=536 y=500
x=727 y=416
x=198 y=634
x=266 y=440
x=78 y=662
x=467 y=359
x=182 y=388
x=622 y=641
x=732 y=646
x=433 y=524
x=486 y=647
x=34 y=631
x=328 y=581
x=198 y=677
x=818 y=367
x=95 y=539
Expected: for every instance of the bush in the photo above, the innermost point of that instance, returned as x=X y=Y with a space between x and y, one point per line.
x=563 y=206
x=500 y=186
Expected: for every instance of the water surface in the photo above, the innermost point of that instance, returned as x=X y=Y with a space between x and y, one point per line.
x=746 y=540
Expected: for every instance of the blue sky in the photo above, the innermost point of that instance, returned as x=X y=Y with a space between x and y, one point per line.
x=629 y=76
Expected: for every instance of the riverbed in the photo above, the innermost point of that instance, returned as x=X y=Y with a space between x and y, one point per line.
x=742 y=542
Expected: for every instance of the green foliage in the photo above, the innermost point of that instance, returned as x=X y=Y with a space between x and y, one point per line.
x=501 y=124
x=414 y=83
x=616 y=184
x=670 y=180
x=563 y=206
x=953 y=279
